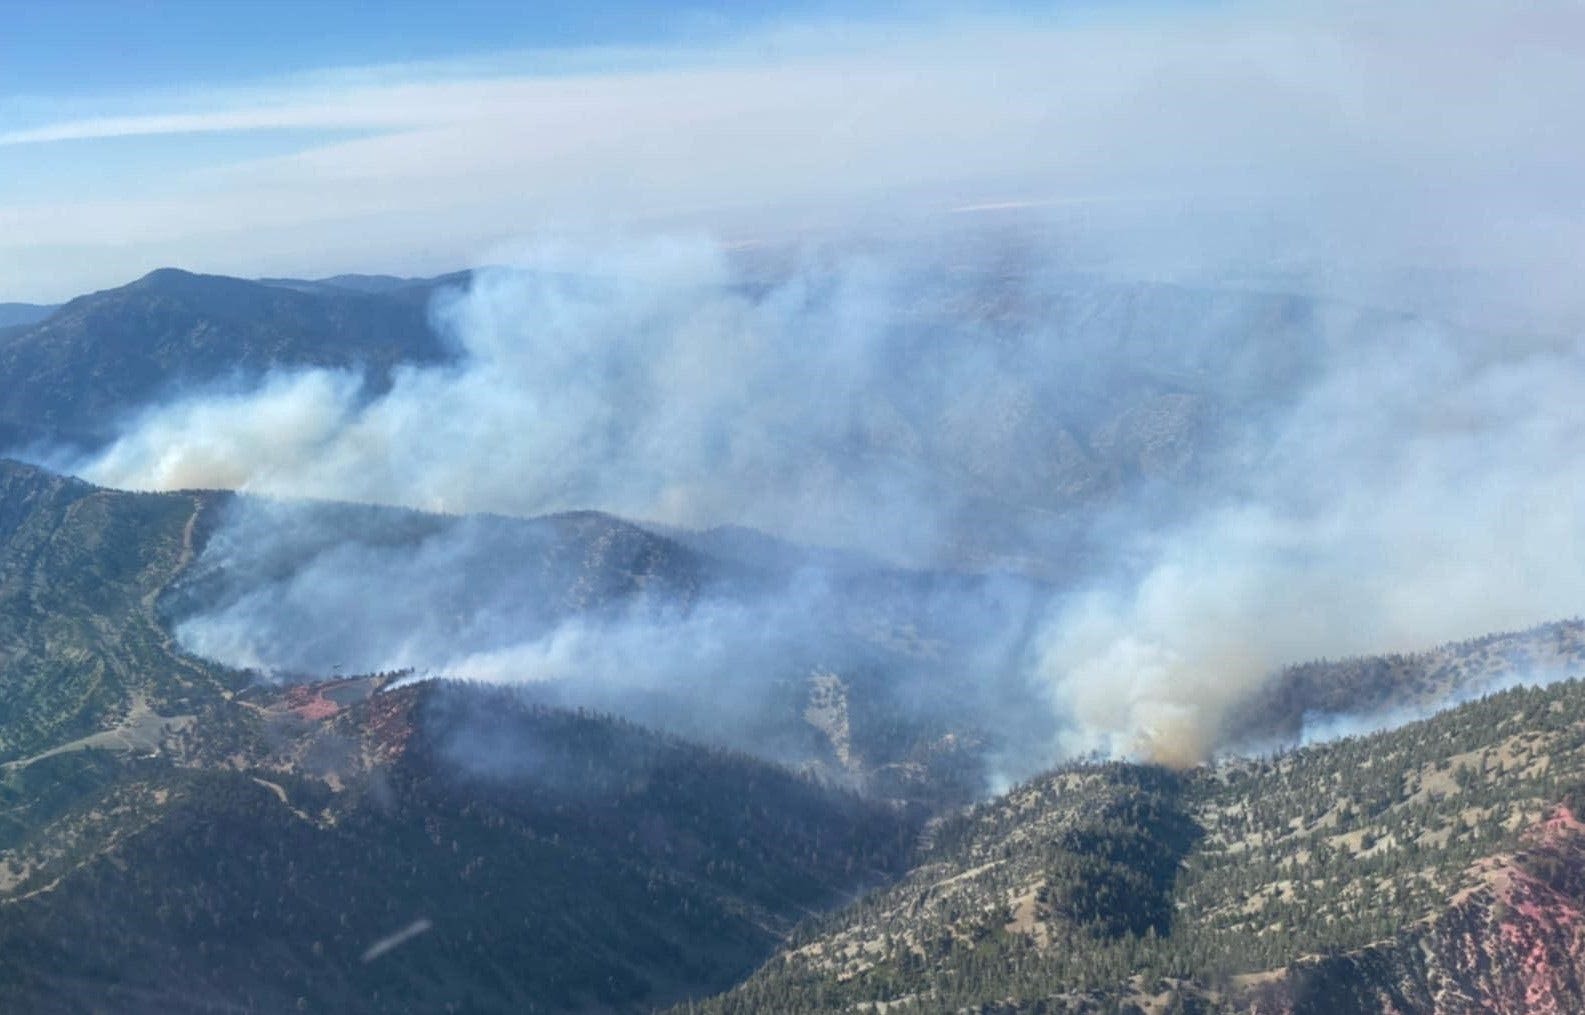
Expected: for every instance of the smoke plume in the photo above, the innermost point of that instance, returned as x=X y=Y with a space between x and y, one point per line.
x=1211 y=484
x=1428 y=486
x=1305 y=384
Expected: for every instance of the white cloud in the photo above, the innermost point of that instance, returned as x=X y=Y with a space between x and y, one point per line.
x=1406 y=135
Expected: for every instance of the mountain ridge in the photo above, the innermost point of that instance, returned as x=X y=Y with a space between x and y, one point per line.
x=96 y=358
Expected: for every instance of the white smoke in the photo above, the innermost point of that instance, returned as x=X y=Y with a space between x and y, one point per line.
x=1428 y=488
x=1377 y=482
x=1322 y=728
x=642 y=378
x=1228 y=482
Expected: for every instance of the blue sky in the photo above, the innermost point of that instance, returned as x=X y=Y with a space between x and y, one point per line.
x=81 y=58
x=91 y=47
x=297 y=138
x=112 y=110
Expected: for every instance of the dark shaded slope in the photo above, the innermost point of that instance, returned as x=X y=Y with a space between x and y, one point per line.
x=543 y=861
x=71 y=376
x=1068 y=871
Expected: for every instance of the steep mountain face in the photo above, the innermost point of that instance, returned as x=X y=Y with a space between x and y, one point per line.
x=75 y=374
x=1437 y=867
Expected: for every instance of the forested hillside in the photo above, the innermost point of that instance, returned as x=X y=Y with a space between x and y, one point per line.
x=81 y=646
x=175 y=836
x=542 y=860
x=1114 y=887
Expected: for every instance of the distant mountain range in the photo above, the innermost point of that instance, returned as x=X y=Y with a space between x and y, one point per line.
x=371 y=284
x=17 y=314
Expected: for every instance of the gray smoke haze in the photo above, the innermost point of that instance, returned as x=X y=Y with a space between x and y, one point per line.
x=1218 y=483
x=641 y=379
x=1211 y=480
x=1323 y=728
x=880 y=400
x=591 y=611
x=1427 y=486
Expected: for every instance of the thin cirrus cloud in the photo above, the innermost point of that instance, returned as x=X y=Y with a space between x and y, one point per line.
x=1430 y=136
x=336 y=116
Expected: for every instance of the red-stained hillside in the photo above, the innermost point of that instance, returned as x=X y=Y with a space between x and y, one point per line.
x=1513 y=943
x=308 y=701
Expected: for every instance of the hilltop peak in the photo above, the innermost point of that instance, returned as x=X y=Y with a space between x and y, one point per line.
x=179 y=280
x=163 y=275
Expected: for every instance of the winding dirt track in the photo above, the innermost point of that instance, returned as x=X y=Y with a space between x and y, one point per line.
x=140 y=732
